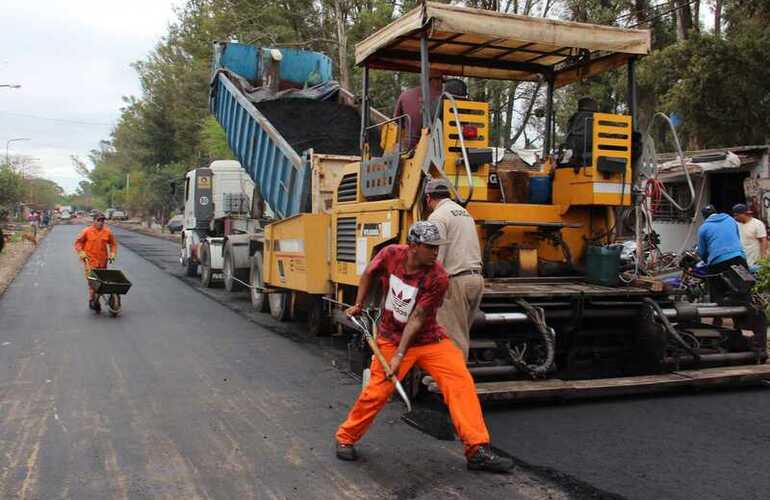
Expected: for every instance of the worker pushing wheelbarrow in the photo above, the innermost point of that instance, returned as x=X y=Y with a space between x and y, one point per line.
x=96 y=246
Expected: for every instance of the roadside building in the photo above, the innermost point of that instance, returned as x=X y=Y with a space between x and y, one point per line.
x=721 y=177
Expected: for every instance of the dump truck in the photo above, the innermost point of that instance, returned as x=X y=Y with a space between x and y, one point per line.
x=554 y=318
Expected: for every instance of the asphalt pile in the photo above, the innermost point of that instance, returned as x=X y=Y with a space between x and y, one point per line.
x=326 y=127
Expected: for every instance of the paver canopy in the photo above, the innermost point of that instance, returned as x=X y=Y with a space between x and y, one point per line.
x=487 y=44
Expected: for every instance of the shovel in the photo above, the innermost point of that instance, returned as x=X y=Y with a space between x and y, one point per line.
x=365 y=322
x=433 y=422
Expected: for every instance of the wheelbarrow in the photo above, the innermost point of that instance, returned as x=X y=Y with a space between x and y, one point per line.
x=108 y=285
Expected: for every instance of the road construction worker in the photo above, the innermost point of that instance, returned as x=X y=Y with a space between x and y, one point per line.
x=719 y=245
x=96 y=246
x=753 y=234
x=461 y=258
x=409 y=333
x=410 y=103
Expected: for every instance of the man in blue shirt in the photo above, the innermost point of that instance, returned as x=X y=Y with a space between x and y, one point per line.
x=719 y=245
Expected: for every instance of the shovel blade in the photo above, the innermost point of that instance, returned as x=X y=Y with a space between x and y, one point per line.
x=402 y=393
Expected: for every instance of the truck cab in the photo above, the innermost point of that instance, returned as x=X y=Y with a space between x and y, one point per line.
x=211 y=196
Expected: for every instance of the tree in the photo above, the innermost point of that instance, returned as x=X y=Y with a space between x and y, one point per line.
x=11 y=186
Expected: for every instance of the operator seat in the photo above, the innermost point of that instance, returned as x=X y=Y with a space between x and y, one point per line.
x=580 y=131
x=456 y=87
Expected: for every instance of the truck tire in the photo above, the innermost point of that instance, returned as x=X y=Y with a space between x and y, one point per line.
x=317 y=316
x=191 y=268
x=205 y=263
x=231 y=274
x=258 y=298
x=280 y=306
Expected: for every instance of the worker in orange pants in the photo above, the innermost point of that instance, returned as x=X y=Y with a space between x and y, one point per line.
x=445 y=363
x=409 y=333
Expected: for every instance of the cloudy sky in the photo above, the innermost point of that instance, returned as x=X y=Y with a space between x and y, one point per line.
x=72 y=59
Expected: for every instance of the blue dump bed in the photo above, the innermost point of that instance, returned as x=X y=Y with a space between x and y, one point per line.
x=271 y=137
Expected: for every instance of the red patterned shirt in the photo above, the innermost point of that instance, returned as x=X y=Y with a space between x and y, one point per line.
x=425 y=288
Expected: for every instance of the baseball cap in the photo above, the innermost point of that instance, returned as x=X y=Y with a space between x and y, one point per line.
x=425 y=232
x=708 y=211
x=437 y=186
x=740 y=208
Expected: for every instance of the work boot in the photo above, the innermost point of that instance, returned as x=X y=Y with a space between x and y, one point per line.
x=346 y=452
x=487 y=460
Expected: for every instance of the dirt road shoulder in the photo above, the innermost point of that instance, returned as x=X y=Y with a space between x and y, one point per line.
x=13 y=258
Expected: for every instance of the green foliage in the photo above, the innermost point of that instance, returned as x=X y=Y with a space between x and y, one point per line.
x=11 y=186
x=717 y=85
x=18 y=188
x=762 y=276
x=213 y=141
x=42 y=192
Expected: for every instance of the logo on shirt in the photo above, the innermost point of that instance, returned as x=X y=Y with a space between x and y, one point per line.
x=400 y=299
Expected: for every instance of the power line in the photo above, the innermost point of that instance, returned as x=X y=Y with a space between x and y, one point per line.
x=647 y=20
x=61 y=120
x=650 y=9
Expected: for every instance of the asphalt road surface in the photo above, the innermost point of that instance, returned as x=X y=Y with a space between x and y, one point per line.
x=191 y=394
x=181 y=397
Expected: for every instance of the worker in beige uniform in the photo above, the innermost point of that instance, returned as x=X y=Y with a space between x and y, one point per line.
x=461 y=257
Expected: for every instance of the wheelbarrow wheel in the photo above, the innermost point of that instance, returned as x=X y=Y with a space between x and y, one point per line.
x=114 y=305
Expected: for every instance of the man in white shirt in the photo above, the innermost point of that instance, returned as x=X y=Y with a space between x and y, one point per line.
x=461 y=257
x=753 y=234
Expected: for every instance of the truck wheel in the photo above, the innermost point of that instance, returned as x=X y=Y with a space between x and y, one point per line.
x=205 y=258
x=317 y=316
x=229 y=271
x=279 y=306
x=258 y=298
x=191 y=268
x=190 y=265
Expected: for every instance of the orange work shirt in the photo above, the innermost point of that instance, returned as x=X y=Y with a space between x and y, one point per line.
x=94 y=243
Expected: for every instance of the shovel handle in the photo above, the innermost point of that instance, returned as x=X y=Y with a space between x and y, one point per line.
x=380 y=357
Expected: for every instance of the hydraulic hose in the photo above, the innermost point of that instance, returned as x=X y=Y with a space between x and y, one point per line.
x=670 y=328
x=468 y=172
x=537 y=316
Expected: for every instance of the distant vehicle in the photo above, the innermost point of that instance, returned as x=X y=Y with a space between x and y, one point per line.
x=119 y=215
x=175 y=224
x=65 y=216
x=108 y=213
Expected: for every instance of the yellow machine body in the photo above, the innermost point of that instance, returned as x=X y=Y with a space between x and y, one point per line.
x=589 y=185
x=352 y=229
x=296 y=253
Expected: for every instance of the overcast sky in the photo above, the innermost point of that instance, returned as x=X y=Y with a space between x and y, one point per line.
x=72 y=59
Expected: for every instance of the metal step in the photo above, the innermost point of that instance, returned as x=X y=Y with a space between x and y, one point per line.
x=573 y=389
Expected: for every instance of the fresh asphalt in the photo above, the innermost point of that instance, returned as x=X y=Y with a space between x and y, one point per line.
x=192 y=394
x=181 y=397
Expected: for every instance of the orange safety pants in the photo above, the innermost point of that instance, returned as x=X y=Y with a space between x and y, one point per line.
x=446 y=364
